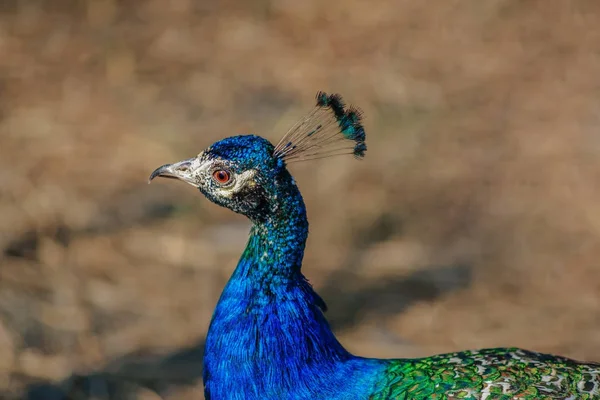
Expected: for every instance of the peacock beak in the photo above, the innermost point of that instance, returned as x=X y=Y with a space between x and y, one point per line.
x=183 y=170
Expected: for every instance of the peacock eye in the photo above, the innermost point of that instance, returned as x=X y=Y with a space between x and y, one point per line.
x=221 y=176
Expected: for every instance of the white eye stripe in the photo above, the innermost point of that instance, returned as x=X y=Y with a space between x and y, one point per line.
x=240 y=181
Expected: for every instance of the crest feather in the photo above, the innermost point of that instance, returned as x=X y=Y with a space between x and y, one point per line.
x=330 y=129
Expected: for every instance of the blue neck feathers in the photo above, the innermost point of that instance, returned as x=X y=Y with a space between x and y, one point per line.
x=268 y=337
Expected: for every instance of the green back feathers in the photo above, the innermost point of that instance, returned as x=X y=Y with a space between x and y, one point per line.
x=491 y=374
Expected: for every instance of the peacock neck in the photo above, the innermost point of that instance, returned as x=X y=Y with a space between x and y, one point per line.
x=276 y=245
x=268 y=331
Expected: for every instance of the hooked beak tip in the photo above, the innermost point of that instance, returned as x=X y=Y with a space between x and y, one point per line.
x=160 y=171
x=178 y=170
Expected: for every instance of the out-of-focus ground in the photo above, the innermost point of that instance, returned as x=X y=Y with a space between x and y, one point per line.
x=474 y=220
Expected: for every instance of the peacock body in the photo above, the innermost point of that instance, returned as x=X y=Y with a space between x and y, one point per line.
x=269 y=339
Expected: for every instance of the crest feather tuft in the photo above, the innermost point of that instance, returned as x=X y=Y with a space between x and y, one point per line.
x=330 y=129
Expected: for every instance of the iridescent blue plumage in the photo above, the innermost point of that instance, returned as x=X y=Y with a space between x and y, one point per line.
x=269 y=339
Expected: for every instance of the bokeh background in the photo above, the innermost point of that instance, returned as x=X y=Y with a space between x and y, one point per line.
x=474 y=220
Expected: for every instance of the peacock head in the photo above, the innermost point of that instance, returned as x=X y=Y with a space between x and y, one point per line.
x=238 y=172
x=248 y=175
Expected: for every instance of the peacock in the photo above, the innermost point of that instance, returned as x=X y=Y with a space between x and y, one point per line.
x=269 y=338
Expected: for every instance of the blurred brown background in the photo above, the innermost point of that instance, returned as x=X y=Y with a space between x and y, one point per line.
x=472 y=222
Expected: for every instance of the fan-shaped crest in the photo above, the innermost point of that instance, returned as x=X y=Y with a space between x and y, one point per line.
x=330 y=129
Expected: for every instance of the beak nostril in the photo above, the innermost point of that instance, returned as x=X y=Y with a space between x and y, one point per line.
x=182 y=170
